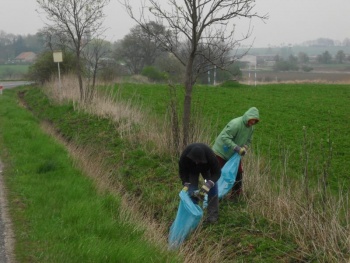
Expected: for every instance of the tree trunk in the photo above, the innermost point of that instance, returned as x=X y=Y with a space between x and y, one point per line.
x=187 y=103
x=187 y=114
x=80 y=79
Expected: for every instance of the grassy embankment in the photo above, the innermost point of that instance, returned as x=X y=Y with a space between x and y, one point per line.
x=266 y=225
x=58 y=214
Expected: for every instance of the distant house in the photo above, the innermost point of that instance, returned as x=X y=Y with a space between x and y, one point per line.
x=25 y=57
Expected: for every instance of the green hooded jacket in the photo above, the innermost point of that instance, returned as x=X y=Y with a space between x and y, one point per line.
x=235 y=133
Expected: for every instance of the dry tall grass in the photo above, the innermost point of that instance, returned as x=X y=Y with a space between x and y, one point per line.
x=128 y=116
x=320 y=227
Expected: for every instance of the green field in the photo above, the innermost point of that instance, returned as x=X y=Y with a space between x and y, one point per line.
x=13 y=72
x=285 y=109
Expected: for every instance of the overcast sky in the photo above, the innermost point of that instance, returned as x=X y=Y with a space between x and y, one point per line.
x=290 y=21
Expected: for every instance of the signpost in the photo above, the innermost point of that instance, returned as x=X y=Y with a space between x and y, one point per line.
x=57 y=57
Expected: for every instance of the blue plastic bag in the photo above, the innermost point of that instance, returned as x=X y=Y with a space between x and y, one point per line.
x=187 y=219
x=227 y=178
x=228 y=175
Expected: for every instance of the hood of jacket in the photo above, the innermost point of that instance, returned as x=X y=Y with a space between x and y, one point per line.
x=252 y=113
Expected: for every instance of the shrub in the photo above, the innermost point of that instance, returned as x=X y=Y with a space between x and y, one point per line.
x=231 y=84
x=110 y=72
x=283 y=65
x=154 y=74
x=44 y=67
x=306 y=68
x=172 y=66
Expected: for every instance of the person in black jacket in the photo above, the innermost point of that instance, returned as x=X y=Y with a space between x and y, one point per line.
x=199 y=158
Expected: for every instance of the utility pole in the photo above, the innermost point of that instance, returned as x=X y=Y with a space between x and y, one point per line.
x=214 y=75
x=209 y=77
x=255 y=75
x=249 y=75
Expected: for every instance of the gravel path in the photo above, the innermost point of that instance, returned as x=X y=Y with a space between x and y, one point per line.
x=6 y=236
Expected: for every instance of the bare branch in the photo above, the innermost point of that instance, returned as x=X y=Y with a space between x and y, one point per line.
x=77 y=22
x=200 y=34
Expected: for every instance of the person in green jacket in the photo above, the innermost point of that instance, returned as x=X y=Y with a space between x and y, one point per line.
x=236 y=137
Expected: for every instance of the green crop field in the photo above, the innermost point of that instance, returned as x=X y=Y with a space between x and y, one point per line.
x=294 y=118
x=10 y=72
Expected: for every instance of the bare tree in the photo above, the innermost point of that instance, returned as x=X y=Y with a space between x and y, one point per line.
x=201 y=35
x=340 y=56
x=93 y=54
x=53 y=40
x=80 y=21
x=140 y=48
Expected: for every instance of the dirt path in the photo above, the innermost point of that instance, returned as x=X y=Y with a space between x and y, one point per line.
x=6 y=234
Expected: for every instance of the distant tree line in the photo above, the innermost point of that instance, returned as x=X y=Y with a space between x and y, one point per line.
x=302 y=61
x=327 y=42
x=139 y=53
x=12 y=45
x=136 y=53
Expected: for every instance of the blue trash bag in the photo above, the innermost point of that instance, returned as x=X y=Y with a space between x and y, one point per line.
x=187 y=219
x=227 y=178
x=228 y=175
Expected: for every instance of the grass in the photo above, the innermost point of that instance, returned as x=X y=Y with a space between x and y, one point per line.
x=58 y=214
x=10 y=72
x=286 y=111
x=264 y=227
x=151 y=177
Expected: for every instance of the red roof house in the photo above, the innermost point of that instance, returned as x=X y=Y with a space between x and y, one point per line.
x=26 y=57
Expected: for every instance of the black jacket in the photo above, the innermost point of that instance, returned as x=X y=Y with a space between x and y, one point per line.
x=209 y=170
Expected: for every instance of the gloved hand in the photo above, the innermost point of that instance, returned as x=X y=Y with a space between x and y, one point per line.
x=186 y=186
x=200 y=194
x=207 y=186
x=240 y=150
